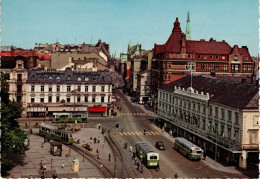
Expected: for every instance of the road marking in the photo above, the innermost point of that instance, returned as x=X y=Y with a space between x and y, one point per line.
x=148 y=133
x=124 y=133
x=134 y=114
x=137 y=133
x=141 y=133
x=133 y=133
x=120 y=133
x=128 y=133
x=157 y=133
x=153 y=133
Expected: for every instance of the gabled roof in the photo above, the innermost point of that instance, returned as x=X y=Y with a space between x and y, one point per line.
x=244 y=51
x=225 y=92
x=208 y=47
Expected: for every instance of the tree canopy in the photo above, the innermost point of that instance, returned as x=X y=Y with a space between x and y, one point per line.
x=12 y=137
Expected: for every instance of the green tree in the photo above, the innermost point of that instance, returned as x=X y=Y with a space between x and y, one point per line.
x=12 y=137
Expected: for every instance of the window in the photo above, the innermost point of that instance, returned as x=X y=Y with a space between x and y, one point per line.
x=93 y=99
x=19 y=65
x=237 y=118
x=58 y=77
x=42 y=88
x=68 y=99
x=86 y=79
x=33 y=77
x=108 y=98
x=223 y=56
x=50 y=89
x=102 y=88
x=204 y=109
x=42 y=100
x=79 y=88
x=68 y=89
x=102 y=99
x=235 y=57
x=210 y=110
x=79 y=78
x=78 y=98
x=211 y=56
x=58 y=88
x=222 y=113
x=216 y=111
x=169 y=65
x=32 y=88
x=50 y=78
x=50 y=99
x=109 y=88
x=198 y=56
x=205 y=56
x=229 y=115
x=198 y=107
x=216 y=56
x=32 y=100
x=169 y=76
x=57 y=99
x=94 y=88
x=69 y=77
x=188 y=55
x=194 y=106
x=86 y=98
x=165 y=76
x=86 y=88
x=42 y=77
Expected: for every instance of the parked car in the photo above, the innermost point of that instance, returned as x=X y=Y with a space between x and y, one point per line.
x=159 y=145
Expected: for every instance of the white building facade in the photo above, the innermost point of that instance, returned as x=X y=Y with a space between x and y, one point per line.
x=70 y=91
x=221 y=117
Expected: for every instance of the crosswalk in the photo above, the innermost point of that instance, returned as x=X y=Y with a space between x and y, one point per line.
x=132 y=114
x=127 y=133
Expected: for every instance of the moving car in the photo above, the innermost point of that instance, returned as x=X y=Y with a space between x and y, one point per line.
x=159 y=145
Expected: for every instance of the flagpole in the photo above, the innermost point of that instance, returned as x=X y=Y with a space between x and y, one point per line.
x=216 y=147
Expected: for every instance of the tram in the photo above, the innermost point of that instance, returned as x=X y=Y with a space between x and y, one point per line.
x=147 y=155
x=52 y=132
x=188 y=149
x=69 y=117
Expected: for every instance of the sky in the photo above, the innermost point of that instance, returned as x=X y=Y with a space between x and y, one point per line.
x=117 y=22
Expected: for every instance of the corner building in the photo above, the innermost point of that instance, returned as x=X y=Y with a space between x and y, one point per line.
x=219 y=116
x=68 y=91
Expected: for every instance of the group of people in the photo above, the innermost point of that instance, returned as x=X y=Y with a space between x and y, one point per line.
x=43 y=168
x=96 y=140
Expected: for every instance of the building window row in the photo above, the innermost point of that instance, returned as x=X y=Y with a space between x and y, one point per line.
x=69 y=89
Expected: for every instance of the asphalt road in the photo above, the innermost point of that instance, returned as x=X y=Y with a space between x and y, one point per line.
x=171 y=161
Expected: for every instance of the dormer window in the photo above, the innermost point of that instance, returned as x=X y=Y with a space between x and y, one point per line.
x=86 y=79
x=211 y=56
x=33 y=77
x=216 y=56
x=50 y=78
x=69 y=77
x=79 y=78
x=223 y=56
x=58 y=77
x=20 y=66
x=42 y=77
x=245 y=58
x=198 y=56
x=188 y=55
x=235 y=57
x=205 y=56
x=94 y=78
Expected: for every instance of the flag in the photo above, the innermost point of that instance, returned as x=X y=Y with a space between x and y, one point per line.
x=189 y=68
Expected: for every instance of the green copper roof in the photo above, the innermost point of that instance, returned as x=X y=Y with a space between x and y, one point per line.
x=188 y=34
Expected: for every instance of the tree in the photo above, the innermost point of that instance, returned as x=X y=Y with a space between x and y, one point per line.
x=12 y=137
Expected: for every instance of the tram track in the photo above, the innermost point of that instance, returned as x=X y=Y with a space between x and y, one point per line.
x=126 y=169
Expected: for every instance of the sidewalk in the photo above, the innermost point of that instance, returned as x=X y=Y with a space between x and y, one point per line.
x=28 y=164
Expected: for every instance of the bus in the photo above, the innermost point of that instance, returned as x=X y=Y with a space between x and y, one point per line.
x=188 y=149
x=69 y=117
x=52 y=132
x=147 y=155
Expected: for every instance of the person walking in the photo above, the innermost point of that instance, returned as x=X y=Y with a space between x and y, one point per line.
x=133 y=155
x=137 y=165
x=176 y=176
x=205 y=154
x=44 y=167
x=109 y=157
x=41 y=165
x=130 y=148
x=69 y=152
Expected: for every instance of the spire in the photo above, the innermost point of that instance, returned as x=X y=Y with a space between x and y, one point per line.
x=188 y=34
x=176 y=27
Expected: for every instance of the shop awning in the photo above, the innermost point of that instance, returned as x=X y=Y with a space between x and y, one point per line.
x=97 y=109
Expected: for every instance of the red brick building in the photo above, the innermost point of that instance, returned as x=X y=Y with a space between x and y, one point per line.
x=173 y=59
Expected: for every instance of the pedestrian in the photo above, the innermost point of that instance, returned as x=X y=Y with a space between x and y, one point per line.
x=95 y=140
x=44 y=167
x=69 y=152
x=135 y=161
x=98 y=126
x=103 y=145
x=205 y=154
x=62 y=164
x=141 y=168
x=42 y=144
x=90 y=139
x=133 y=156
x=126 y=145
x=97 y=150
x=131 y=148
x=31 y=176
x=176 y=175
x=102 y=130
x=41 y=165
x=109 y=157
x=31 y=131
x=137 y=165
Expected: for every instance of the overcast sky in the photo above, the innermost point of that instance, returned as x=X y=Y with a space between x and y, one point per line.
x=26 y=22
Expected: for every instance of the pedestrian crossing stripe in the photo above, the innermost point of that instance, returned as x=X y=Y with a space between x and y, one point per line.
x=132 y=114
x=138 y=133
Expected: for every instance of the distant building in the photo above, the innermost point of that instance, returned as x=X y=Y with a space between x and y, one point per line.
x=71 y=91
x=16 y=79
x=143 y=91
x=213 y=111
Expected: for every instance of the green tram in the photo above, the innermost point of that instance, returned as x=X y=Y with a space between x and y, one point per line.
x=147 y=155
x=188 y=149
x=66 y=117
x=52 y=132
